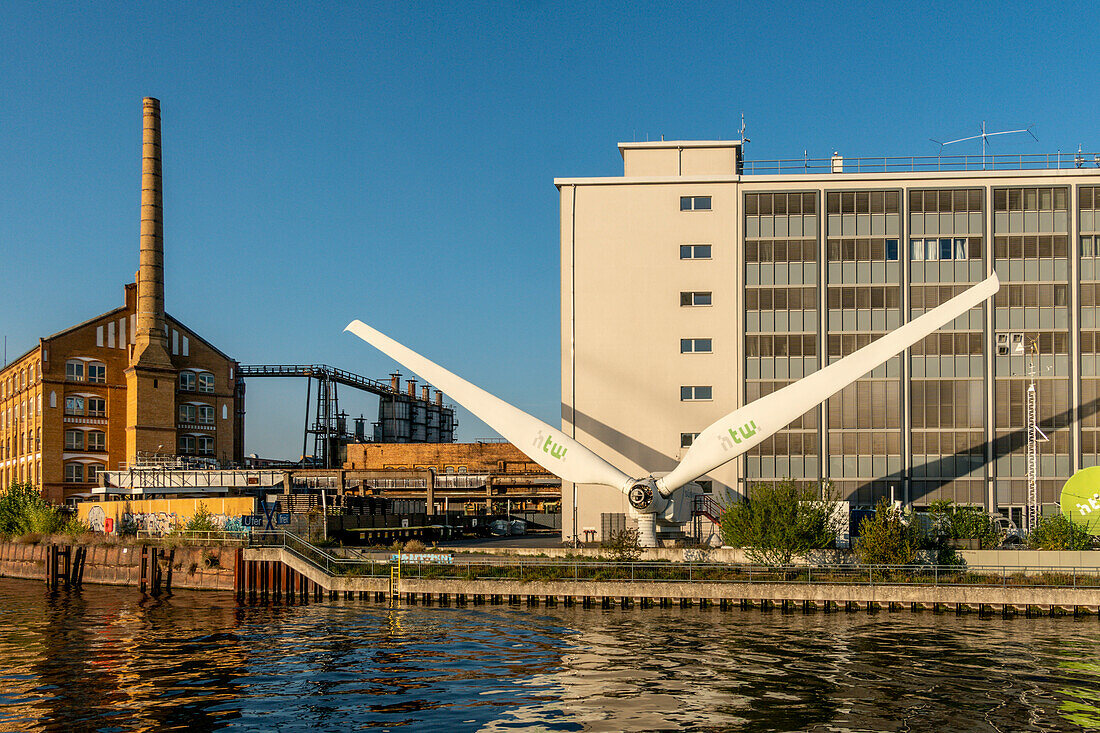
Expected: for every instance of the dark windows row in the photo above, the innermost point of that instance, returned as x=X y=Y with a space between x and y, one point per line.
x=1090 y=342
x=867 y=404
x=76 y=369
x=943 y=403
x=1090 y=246
x=757 y=389
x=781 y=299
x=842 y=344
x=854 y=444
x=929 y=296
x=864 y=296
x=1043 y=295
x=1029 y=199
x=1010 y=403
x=203 y=381
x=949 y=344
x=945 y=248
x=787 y=444
x=946 y=443
x=93 y=440
x=202 y=445
x=863 y=202
x=1089 y=411
x=767 y=204
x=958 y=201
x=1015 y=248
x=75 y=406
x=780 y=345
x=862 y=250
x=77 y=473
x=781 y=250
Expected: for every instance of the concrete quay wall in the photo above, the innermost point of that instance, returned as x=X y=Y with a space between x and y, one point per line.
x=193 y=568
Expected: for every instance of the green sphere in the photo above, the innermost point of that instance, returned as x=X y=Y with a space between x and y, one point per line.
x=1081 y=499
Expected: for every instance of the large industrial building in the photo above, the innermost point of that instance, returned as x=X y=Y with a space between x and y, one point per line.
x=131 y=384
x=698 y=282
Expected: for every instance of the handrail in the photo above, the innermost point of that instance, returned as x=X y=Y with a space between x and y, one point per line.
x=521 y=568
x=913 y=163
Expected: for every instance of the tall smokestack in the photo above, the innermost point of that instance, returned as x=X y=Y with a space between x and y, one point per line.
x=151 y=347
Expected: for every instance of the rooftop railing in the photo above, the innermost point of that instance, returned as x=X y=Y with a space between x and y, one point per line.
x=926 y=163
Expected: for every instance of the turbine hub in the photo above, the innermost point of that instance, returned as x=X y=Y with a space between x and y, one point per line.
x=641 y=495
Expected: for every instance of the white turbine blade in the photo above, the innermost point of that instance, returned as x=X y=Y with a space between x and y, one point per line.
x=550 y=448
x=743 y=428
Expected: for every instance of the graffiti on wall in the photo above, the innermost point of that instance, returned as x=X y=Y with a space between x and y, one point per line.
x=161 y=517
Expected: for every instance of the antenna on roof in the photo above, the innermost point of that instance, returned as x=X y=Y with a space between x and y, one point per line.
x=984 y=137
x=742 y=131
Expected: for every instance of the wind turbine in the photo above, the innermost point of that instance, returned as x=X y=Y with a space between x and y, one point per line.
x=718 y=444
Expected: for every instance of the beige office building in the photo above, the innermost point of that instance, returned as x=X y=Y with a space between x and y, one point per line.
x=697 y=282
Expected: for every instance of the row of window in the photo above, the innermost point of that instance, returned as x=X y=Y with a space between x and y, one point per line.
x=863 y=296
x=949 y=344
x=780 y=345
x=945 y=248
x=78 y=473
x=1043 y=295
x=780 y=250
x=19 y=380
x=1031 y=247
x=22 y=444
x=197 y=413
x=78 y=370
x=1030 y=199
x=957 y=201
x=79 y=406
x=944 y=403
x=792 y=298
x=191 y=382
x=876 y=249
x=1089 y=197
x=946 y=443
x=95 y=440
x=862 y=202
x=769 y=204
x=202 y=445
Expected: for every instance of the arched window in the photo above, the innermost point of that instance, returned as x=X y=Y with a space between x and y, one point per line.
x=74 y=405
x=225 y=412
x=187 y=381
x=187 y=444
x=74 y=473
x=93 y=470
x=97 y=372
x=74 y=440
x=97 y=407
x=74 y=370
x=205 y=445
x=206 y=382
x=53 y=398
x=97 y=440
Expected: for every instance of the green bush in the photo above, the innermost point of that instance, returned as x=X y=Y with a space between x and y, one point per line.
x=24 y=511
x=1059 y=532
x=623 y=546
x=890 y=537
x=201 y=520
x=779 y=521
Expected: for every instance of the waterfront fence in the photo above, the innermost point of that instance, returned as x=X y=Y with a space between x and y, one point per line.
x=578 y=570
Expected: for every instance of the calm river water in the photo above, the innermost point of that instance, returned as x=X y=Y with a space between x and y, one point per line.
x=109 y=659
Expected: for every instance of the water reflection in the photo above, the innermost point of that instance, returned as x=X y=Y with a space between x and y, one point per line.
x=109 y=659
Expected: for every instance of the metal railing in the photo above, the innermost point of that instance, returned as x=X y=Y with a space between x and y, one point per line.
x=915 y=163
x=218 y=537
x=577 y=570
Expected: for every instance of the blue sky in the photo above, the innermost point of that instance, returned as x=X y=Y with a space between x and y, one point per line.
x=394 y=162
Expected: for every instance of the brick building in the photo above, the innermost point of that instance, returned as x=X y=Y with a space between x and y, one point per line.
x=129 y=385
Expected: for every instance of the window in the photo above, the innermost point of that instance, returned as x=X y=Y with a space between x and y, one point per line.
x=74 y=473
x=187 y=413
x=74 y=370
x=97 y=440
x=187 y=444
x=225 y=412
x=97 y=372
x=695 y=203
x=205 y=414
x=187 y=381
x=97 y=407
x=74 y=440
x=74 y=405
x=694 y=251
x=695 y=298
x=206 y=382
x=686 y=439
x=695 y=346
x=706 y=485
x=695 y=393
x=891 y=249
x=205 y=445
x=93 y=472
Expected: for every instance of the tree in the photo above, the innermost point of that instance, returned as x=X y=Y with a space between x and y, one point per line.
x=947 y=522
x=24 y=511
x=201 y=520
x=890 y=537
x=1059 y=532
x=624 y=545
x=779 y=521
